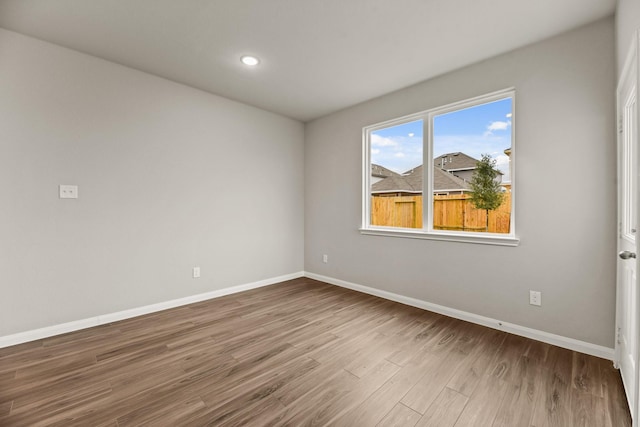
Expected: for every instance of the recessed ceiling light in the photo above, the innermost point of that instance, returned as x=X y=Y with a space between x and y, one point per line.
x=250 y=60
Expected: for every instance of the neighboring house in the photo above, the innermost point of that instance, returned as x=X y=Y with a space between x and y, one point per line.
x=451 y=175
x=410 y=184
x=507 y=184
x=378 y=173
x=446 y=183
x=407 y=184
x=459 y=164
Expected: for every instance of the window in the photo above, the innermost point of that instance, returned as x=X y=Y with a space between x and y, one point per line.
x=445 y=174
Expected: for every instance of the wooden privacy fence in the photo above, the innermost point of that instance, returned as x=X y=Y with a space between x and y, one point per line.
x=453 y=212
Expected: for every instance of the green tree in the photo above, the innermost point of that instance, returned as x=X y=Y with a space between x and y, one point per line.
x=486 y=192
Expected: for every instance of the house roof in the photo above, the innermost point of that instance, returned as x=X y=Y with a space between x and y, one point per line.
x=411 y=182
x=381 y=171
x=396 y=184
x=443 y=180
x=455 y=161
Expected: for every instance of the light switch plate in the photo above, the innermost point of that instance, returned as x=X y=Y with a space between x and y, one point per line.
x=68 y=191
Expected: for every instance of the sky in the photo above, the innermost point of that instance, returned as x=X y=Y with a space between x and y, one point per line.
x=482 y=129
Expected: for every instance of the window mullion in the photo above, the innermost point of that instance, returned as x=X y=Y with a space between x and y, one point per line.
x=366 y=178
x=427 y=181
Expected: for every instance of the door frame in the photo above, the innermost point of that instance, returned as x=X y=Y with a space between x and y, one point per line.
x=632 y=65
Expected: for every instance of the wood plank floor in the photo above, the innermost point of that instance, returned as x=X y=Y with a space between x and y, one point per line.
x=303 y=353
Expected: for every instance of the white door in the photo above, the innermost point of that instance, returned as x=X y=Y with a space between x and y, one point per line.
x=627 y=286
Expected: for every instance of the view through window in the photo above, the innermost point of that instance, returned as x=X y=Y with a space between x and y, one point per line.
x=464 y=187
x=396 y=175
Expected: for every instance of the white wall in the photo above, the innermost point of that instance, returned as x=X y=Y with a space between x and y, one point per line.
x=627 y=22
x=169 y=178
x=566 y=200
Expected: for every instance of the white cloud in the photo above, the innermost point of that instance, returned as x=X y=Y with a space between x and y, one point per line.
x=502 y=161
x=509 y=115
x=497 y=125
x=379 y=141
x=396 y=152
x=502 y=164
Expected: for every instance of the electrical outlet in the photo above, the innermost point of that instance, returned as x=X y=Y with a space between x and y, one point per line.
x=325 y=258
x=535 y=298
x=196 y=272
x=68 y=191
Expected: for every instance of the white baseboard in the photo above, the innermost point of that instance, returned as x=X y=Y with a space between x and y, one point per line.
x=76 y=325
x=558 y=340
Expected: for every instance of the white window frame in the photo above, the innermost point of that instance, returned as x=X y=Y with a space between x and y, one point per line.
x=428 y=232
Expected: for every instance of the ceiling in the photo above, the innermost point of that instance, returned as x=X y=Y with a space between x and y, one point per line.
x=317 y=56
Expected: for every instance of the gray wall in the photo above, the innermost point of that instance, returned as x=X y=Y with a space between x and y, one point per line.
x=169 y=178
x=627 y=22
x=566 y=218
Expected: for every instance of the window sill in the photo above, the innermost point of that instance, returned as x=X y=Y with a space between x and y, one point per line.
x=478 y=238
